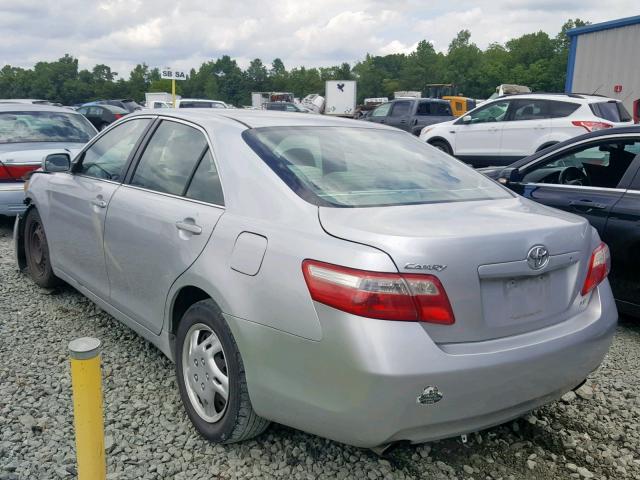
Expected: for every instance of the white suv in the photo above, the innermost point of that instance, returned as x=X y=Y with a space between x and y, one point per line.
x=505 y=129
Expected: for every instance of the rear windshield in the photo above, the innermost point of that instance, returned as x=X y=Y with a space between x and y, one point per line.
x=201 y=105
x=27 y=127
x=360 y=167
x=612 y=111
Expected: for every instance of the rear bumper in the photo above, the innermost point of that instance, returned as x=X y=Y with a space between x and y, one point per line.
x=360 y=383
x=12 y=198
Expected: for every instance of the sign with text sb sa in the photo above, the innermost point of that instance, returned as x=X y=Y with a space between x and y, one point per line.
x=173 y=74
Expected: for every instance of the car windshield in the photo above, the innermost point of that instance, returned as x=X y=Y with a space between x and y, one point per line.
x=27 y=127
x=359 y=167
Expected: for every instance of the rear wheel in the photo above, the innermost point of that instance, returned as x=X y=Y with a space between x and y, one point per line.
x=103 y=126
x=37 y=251
x=442 y=145
x=211 y=377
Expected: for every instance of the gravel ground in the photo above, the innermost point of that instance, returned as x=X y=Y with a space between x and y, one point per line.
x=595 y=434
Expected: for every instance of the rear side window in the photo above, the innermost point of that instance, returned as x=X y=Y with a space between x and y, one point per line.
x=561 y=109
x=205 y=184
x=400 y=109
x=424 y=108
x=361 y=167
x=442 y=109
x=611 y=110
x=529 y=110
x=169 y=158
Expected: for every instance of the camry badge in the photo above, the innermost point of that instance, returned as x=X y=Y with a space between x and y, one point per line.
x=422 y=266
x=538 y=257
x=429 y=396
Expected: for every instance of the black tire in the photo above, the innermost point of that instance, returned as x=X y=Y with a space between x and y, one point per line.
x=239 y=421
x=36 y=251
x=103 y=126
x=442 y=145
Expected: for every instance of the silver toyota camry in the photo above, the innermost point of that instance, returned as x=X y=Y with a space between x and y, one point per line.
x=339 y=277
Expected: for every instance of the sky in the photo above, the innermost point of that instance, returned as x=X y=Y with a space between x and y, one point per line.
x=184 y=33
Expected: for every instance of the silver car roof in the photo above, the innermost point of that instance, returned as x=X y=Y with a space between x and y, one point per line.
x=261 y=118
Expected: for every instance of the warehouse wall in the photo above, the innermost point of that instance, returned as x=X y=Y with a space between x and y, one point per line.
x=607 y=58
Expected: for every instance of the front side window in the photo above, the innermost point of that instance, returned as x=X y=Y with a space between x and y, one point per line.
x=400 y=109
x=596 y=165
x=495 y=112
x=107 y=157
x=169 y=158
x=359 y=167
x=35 y=126
x=382 y=110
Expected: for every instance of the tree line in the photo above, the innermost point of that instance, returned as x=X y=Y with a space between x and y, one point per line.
x=533 y=59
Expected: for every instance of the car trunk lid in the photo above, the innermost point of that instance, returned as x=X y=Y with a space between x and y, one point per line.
x=479 y=251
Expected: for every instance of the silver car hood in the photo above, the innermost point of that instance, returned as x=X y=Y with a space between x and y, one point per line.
x=35 y=152
x=463 y=237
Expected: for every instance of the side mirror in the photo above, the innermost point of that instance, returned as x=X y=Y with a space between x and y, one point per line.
x=466 y=119
x=56 y=162
x=509 y=175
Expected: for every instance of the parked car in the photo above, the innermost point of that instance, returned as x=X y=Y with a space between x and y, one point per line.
x=27 y=134
x=128 y=104
x=412 y=114
x=337 y=277
x=101 y=116
x=285 y=107
x=597 y=176
x=29 y=101
x=199 y=103
x=503 y=130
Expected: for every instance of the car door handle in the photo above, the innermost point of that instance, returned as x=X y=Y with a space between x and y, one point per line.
x=189 y=227
x=99 y=203
x=583 y=205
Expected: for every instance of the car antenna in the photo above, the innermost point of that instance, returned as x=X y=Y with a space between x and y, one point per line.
x=596 y=90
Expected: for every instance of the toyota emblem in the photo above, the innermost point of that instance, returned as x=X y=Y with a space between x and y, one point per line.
x=538 y=257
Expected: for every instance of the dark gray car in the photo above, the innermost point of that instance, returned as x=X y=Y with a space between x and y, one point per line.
x=412 y=114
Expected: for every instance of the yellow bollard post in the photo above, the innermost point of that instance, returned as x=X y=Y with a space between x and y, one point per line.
x=86 y=379
x=173 y=92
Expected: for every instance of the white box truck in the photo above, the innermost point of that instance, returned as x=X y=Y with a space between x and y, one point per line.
x=340 y=98
x=159 y=99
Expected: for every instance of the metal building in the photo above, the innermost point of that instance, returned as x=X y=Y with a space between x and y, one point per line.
x=603 y=59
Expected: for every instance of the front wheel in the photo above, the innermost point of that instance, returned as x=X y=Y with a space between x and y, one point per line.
x=211 y=377
x=36 y=251
x=442 y=145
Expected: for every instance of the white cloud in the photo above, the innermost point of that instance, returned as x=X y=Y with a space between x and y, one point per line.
x=184 y=33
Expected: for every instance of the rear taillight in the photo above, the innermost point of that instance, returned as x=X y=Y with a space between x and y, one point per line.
x=636 y=111
x=591 y=126
x=385 y=296
x=599 y=268
x=118 y=115
x=15 y=172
